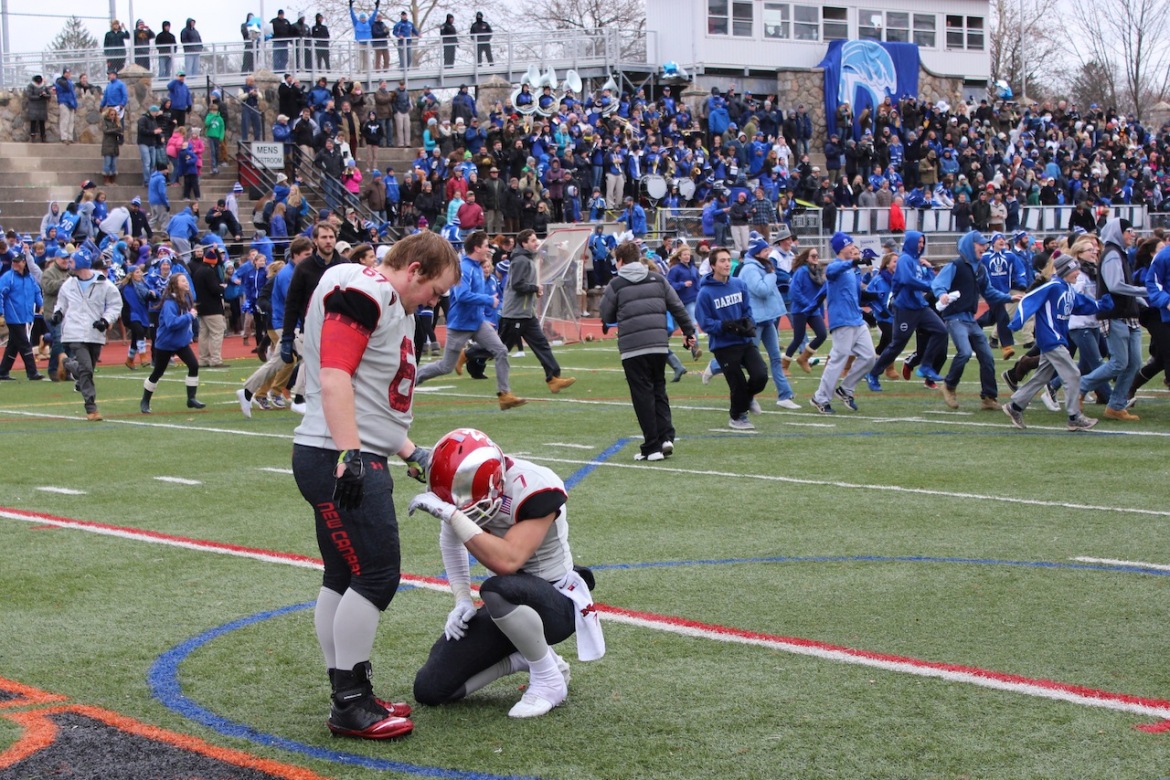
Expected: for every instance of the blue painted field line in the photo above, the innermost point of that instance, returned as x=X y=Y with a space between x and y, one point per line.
x=164 y=684
x=580 y=474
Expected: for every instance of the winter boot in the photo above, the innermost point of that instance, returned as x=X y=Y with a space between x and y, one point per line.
x=192 y=386
x=802 y=360
x=148 y=388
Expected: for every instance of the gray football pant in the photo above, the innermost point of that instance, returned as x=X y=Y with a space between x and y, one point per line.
x=485 y=337
x=1053 y=363
x=848 y=340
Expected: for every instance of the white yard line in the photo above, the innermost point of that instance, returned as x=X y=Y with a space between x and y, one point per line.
x=1131 y=564
x=179 y=480
x=61 y=490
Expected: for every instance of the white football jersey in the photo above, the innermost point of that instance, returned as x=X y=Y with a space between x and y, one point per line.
x=383 y=384
x=523 y=480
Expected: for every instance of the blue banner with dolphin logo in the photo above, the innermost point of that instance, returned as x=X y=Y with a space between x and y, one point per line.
x=863 y=73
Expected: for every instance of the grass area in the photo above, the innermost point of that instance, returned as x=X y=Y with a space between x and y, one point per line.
x=903 y=529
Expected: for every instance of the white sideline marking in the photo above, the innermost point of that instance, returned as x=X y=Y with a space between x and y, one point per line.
x=1132 y=564
x=61 y=490
x=274 y=470
x=902 y=665
x=948 y=411
x=723 y=430
x=179 y=480
x=811 y=425
x=568 y=444
x=433 y=388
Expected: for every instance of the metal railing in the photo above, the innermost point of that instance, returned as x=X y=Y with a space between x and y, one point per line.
x=1042 y=219
x=592 y=51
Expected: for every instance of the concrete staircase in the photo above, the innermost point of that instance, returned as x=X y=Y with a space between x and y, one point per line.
x=32 y=174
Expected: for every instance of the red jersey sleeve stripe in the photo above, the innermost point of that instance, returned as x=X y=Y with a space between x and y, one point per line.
x=343 y=342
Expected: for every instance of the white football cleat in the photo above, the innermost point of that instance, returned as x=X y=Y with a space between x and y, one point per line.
x=538 y=701
x=298 y=408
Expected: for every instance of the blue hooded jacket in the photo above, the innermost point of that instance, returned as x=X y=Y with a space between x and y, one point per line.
x=1052 y=303
x=844 y=294
x=911 y=279
x=468 y=298
x=174 y=327
x=946 y=277
x=804 y=295
x=20 y=296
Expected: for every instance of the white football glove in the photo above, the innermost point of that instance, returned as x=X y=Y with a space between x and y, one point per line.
x=458 y=619
x=432 y=505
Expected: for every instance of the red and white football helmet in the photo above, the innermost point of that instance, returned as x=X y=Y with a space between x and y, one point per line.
x=467 y=470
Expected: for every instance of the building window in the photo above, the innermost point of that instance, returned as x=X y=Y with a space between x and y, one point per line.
x=965 y=32
x=806 y=22
x=898 y=27
x=777 y=20
x=836 y=24
x=734 y=16
x=924 y=30
x=870 y=24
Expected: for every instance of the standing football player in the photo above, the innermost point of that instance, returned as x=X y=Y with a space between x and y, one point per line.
x=511 y=515
x=359 y=392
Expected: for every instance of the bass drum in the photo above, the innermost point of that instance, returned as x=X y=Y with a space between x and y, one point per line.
x=686 y=189
x=654 y=186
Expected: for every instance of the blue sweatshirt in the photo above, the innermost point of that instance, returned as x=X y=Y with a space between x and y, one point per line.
x=911 y=279
x=678 y=276
x=468 y=298
x=721 y=302
x=279 y=295
x=844 y=294
x=157 y=191
x=174 y=327
x=1052 y=303
x=946 y=278
x=804 y=295
x=20 y=295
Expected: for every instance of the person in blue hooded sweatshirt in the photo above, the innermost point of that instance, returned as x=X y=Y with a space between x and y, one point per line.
x=1006 y=272
x=912 y=314
x=1051 y=304
x=851 y=336
x=968 y=277
x=759 y=276
x=723 y=311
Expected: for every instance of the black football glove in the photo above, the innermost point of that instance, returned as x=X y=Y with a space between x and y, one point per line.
x=58 y=316
x=101 y=325
x=347 y=492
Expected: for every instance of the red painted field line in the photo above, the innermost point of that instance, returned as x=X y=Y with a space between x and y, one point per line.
x=1077 y=694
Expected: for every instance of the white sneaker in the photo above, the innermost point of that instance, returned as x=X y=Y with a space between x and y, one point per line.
x=537 y=702
x=518 y=353
x=706 y=375
x=755 y=407
x=298 y=408
x=741 y=424
x=787 y=403
x=668 y=448
x=1048 y=396
x=653 y=456
x=245 y=402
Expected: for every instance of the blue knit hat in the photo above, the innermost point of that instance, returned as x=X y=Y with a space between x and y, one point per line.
x=839 y=241
x=82 y=259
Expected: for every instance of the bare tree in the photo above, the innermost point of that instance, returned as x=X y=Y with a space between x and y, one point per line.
x=1130 y=34
x=628 y=17
x=1093 y=82
x=1026 y=44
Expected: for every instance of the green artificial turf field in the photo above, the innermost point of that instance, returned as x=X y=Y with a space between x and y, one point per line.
x=901 y=592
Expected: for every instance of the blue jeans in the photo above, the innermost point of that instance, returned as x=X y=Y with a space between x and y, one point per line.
x=1088 y=353
x=147 y=155
x=109 y=165
x=213 y=152
x=970 y=340
x=766 y=336
x=250 y=117
x=387 y=131
x=164 y=66
x=192 y=64
x=1125 y=358
x=279 y=55
x=57 y=349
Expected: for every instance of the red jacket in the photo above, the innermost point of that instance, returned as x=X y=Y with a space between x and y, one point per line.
x=471 y=216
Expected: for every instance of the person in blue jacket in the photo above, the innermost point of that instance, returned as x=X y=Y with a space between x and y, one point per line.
x=404 y=33
x=759 y=276
x=912 y=314
x=67 y=105
x=881 y=286
x=851 y=336
x=968 y=277
x=466 y=321
x=1157 y=282
x=635 y=217
x=20 y=300
x=806 y=295
x=724 y=312
x=1006 y=273
x=183 y=228
x=180 y=95
x=136 y=299
x=1051 y=304
x=173 y=337
x=683 y=276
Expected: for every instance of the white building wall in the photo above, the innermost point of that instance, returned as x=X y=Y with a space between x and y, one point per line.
x=684 y=34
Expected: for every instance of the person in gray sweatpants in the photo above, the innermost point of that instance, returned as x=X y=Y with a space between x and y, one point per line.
x=851 y=337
